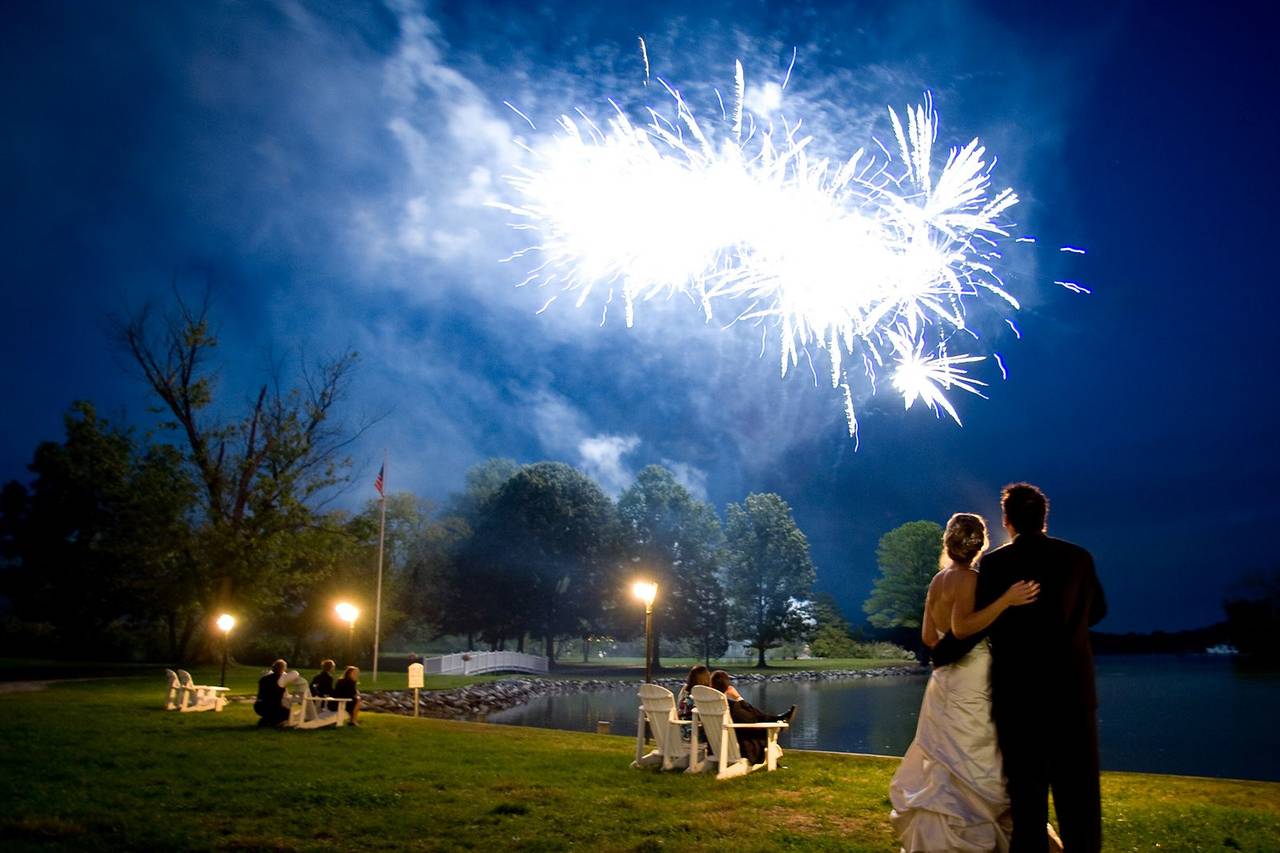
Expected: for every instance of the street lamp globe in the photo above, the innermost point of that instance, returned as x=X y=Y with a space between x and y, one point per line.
x=645 y=591
x=347 y=612
x=225 y=623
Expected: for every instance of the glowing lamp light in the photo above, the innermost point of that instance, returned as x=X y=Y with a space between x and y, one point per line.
x=645 y=591
x=347 y=612
x=225 y=623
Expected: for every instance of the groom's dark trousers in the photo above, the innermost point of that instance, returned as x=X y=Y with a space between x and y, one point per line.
x=1042 y=689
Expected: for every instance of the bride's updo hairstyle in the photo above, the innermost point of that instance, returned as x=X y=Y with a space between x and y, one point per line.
x=964 y=538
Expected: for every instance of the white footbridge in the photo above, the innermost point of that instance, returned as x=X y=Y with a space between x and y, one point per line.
x=473 y=663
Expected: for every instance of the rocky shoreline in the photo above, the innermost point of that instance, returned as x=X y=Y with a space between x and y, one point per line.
x=476 y=700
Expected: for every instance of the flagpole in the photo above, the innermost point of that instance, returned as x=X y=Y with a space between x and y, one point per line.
x=382 y=533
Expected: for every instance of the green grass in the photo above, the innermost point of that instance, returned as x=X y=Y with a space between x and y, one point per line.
x=98 y=765
x=35 y=669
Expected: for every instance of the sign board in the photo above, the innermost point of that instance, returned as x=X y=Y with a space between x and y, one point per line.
x=415 y=675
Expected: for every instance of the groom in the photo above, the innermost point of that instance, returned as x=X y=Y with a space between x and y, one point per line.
x=1042 y=686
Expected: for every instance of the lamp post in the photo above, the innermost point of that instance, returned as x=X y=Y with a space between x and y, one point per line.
x=647 y=592
x=348 y=613
x=225 y=623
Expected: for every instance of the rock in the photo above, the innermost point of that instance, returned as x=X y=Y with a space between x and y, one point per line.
x=477 y=700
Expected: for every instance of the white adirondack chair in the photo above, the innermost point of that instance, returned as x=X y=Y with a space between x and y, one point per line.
x=658 y=708
x=312 y=712
x=712 y=713
x=199 y=697
x=177 y=695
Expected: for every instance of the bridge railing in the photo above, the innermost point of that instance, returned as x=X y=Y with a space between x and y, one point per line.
x=470 y=663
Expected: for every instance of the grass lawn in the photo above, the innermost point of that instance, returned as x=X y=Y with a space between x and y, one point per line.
x=98 y=765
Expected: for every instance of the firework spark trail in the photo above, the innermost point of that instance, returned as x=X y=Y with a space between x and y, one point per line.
x=876 y=257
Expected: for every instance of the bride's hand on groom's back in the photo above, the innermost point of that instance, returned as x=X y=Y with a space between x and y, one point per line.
x=1022 y=592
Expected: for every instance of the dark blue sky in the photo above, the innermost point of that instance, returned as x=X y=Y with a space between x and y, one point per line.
x=324 y=167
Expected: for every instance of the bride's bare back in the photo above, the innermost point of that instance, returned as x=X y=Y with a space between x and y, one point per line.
x=943 y=591
x=949 y=605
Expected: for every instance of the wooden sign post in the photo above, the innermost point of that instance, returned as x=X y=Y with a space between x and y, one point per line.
x=415 y=681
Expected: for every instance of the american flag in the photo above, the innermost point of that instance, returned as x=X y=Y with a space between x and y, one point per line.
x=377 y=483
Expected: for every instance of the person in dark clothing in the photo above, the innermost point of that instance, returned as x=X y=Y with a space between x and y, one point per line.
x=269 y=705
x=698 y=674
x=752 y=743
x=322 y=684
x=1043 y=697
x=348 y=688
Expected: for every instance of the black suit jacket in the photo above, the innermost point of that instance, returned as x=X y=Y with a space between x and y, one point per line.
x=269 y=690
x=322 y=684
x=1041 y=657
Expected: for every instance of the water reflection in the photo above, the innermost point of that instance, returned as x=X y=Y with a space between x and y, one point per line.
x=1194 y=715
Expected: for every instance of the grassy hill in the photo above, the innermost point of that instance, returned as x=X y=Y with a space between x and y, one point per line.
x=98 y=765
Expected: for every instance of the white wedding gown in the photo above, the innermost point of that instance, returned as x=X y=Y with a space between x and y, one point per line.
x=949 y=793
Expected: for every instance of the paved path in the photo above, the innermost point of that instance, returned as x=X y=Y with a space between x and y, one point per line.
x=34 y=686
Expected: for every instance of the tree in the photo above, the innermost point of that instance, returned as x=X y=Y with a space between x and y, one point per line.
x=482 y=482
x=698 y=573
x=1253 y=611
x=540 y=559
x=908 y=558
x=260 y=472
x=408 y=520
x=102 y=537
x=445 y=560
x=428 y=572
x=833 y=637
x=769 y=573
x=675 y=542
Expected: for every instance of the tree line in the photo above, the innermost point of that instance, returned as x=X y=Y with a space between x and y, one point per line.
x=540 y=551
x=129 y=542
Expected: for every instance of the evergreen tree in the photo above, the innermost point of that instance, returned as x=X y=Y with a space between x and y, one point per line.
x=833 y=637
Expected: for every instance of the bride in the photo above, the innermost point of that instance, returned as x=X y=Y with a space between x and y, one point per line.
x=949 y=792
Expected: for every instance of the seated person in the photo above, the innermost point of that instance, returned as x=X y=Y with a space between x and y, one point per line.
x=751 y=742
x=347 y=688
x=322 y=684
x=270 y=704
x=698 y=674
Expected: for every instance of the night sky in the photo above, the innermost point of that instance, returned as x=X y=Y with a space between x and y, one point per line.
x=324 y=168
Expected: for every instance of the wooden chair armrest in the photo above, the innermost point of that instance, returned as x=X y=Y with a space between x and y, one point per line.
x=758 y=725
x=328 y=699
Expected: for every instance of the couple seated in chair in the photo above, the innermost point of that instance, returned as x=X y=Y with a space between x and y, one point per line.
x=346 y=687
x=752 y=743
x=272 y=706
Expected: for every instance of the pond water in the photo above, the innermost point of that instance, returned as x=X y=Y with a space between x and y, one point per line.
x=1197 y=715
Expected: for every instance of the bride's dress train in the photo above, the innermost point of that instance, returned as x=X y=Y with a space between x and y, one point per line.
x=949 y=792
